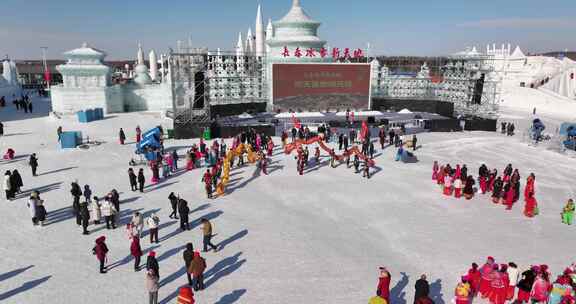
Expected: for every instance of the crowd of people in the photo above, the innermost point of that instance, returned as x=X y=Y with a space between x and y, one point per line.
x=505 y=189
x=496 y=284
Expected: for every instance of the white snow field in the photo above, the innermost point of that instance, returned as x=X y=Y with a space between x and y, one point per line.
x=317 y=238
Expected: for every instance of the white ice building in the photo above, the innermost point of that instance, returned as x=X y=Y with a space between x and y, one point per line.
x=10 y=86
x=87 y=84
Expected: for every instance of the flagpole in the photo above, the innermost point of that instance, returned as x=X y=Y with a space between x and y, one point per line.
x=46 y=75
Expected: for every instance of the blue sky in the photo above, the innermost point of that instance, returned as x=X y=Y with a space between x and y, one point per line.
x=408 y=27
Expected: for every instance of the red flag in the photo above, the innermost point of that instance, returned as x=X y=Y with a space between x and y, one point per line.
x=296 y=122
x=364 y=131
x=47 y=75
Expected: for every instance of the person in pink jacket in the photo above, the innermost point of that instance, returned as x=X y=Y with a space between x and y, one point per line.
x=541 y=288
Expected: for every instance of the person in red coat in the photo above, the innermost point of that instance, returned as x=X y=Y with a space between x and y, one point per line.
x=530 y=206
x=529 y=185
x=136 y=252
x=485 y=278
x=383 y=289
x=207 y=179
x=434 y=170
x=138 y=134
x=185 y=295
x=475 y=277
x=440 y=176
x=499 y=285
x=100 y=250
x=509 y=195
x=483 y=184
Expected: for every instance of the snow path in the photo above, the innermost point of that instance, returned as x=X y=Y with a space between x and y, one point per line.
x=288 y=239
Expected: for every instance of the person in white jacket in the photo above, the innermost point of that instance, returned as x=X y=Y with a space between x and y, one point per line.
x=513 y=275
x=457 y=187
x=137 y=224
x=95 y=212
x=108 y=211
x=152 y=221
x=7 y=185
x=32 y=203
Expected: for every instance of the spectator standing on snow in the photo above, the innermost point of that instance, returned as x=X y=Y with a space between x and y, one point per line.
x=175 y=158
x=414 y=142
x=141 y=180
x=153 y=221
x=207 y=235
x=187 y=256
x=174 y=204
x=76 y=193
x=7 y=185
x=152 y=263
x=183 y=210
x=121 y=136
x=138 y=134
x=85 y=217
x=96 y=213
x=383 y=289
x=137 y=223
x=152 y=286
x=87 y=194
x=33 y=162
x=108 y=211
x=136 y=252
x=59 y=133
x=32 y=207
x=422 y=288
x=101 y=250
x=16 y=181
x=133 y=179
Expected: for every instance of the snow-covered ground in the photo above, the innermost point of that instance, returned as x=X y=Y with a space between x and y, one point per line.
x=317 y=238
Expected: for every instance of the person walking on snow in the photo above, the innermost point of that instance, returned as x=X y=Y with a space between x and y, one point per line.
x=121 y=136
x=513 y=276
x=136 y=252
x=207 y=179
x=207 y=235
x=96 y=213
x=457 y=187
x=33 y=206
x=100 y=251
x=153 y=221
x=187 y=256
x=197 y=267
x=141 y=180
x=108 y=211
x=174 y=204
x=568 y=212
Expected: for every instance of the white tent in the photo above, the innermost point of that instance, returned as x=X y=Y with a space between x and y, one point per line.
x=405 y=111
x=299 y=115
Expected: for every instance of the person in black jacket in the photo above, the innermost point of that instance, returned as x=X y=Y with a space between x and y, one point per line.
x=464 y=172
x=497 y=191
x=422 y=288
x=152 y=263
x=115 y=199
x=469 y=188
x=17 y=180
x=187 y=256
x=85 y=215
x=525 y=285
x=141 y=180
x=33 y=162
x=183 y=210
x=174 y=204
x=76 y=194
x=132 y=177
x=13 y=184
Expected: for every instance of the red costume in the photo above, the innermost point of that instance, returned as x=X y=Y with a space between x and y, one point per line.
x=441 y=175
x=435 y=171
x=498 y=284
x=509 y=196
x=384 y=288
x=475 y=277
x=483 y=184
x=185 y=295
x=530 y=207
x=485 y=278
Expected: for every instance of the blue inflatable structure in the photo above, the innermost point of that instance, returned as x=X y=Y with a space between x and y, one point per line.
x=569 y=130
x=150 y=144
